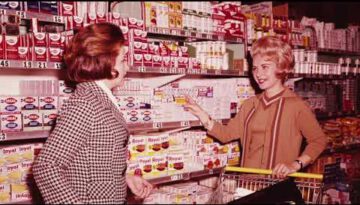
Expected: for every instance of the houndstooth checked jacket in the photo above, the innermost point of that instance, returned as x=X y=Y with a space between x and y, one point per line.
x=84 y=158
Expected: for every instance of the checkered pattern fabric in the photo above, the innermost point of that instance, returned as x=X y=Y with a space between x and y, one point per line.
x=83 y=160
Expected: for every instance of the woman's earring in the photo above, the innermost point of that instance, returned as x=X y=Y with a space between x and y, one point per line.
x=115 y=74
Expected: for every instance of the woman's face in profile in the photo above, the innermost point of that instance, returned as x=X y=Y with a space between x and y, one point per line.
x=121 y=66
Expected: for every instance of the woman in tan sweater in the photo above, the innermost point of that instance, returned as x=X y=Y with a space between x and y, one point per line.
x=270 y=125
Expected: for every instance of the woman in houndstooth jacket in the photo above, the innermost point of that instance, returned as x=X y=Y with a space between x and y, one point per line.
x=84 y=158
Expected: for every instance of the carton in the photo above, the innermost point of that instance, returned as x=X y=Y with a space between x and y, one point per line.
x=12 y=44
x=67 y=8
x=32 y=120
x=137 y=147
x=10 y=104
x=49 y=119
x=145 y=163
x=48 y=102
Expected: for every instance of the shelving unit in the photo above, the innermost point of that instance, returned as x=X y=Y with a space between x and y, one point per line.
x=29 y=15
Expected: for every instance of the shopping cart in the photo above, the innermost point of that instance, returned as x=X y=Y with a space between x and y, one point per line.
x=231 y=178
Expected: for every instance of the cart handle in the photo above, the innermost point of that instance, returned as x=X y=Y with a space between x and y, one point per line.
x=269 y=171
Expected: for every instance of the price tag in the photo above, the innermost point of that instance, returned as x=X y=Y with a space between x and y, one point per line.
x=42 y=65
x=2 y=136
x=211 y=171
x=187 y=33
x=173 y=32
x=157 y=125
x=172 y=70
x=142 y=69
x=185 y=124
x=182 y=70
x=198 y=35
x=239 y=40
x=176 y=177
x=27 y=64
x=21 y=14
x=221 y=38
x=2 y=11
x=4 y=63
x=58 y=19
x=217 y=72
x=58 y=65
x=163 y=70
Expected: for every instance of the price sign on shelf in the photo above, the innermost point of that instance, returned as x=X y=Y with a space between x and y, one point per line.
x=157 y=125
x=176 y=177
x=182 y=70
x=2 y=136
x=21 y=14
x=185 y=124
x=27 y=64
x=142 y=69
x=4 y=63
x=217 y=72
x=187 y=33
x=172 y=70
x=58 y=65
x=211 y=171
x=42 y=64
x=221 y=38
x=58 y=19
x=163 y=70
x=203 y=71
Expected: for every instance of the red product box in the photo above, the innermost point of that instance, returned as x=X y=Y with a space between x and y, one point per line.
x=40 y=53
x=125 y=21
x=183 y=51
x=174 y=53
x=62 y=41
x=55 y=54
x=137 y=59
x=140 y=24
x=54 y=40
x=144 y=35
x=164 y=51
x=132 y=23
x=91 y=18
x=125 y=31
x=75 y=22
x=166 y=61
x=181 y=62
x=39 y=39
x=154 y=49
x=12 y=44
x=145 y=48
x=174 y=62
x=48 y=102
x=2 y=46
x=157 y=60
x=194 y=63
x=136 y=35
x=115 y=18
x=101 y=17
x=24 y=53
x=67 y=8
x=148 y=60
x=137 y=47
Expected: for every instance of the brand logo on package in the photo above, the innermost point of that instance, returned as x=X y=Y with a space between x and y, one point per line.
x=10 y=100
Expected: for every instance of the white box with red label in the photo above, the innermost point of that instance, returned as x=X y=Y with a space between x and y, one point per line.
x=25 y=53
x=39 y=39
x=49 y=119
x=11 y=122
x=55 y=54
x=137 y=147
x=54 y=40
x=148 y=61
x=29 y=103
x=48 y=102
x=125 y=31
x=157 y=60
x=10 y=104
x=160 y=165
x=154 y=49
x=32 y=120
x=137 y=59
x=176 y=163
x=166 y=62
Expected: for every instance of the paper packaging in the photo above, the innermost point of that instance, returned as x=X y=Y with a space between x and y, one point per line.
x=32 y=120
x=55 y=54
x=14 y=5
x=49 y=119
x=39 y=39
x=12 y=44
x=48 y=102
x=25 y=53
x=40 y=53
x=154 y=145
x=20 y=192
x=67 y=8
x=54 y=40
x=148 y=61
x=10 y=104
x=13 y=173
x=29 y=103
x=146 y=166
x=25 y=168
x=175 y=163
x=159 y=164
x=137 y=146
x=134 y=169
x=26 y=152
x=4 y=193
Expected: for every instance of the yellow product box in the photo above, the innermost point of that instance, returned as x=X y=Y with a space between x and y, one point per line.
x=145 y=163
x=3 y=175
x=11 y=155
x=20 y=192
x=26 y=170
x=137 y=146
x=180 y=100
x=26 y=152
x=154 y=145
x=234 y=159
x=175 y=139
x=134 y=169
x=4 y=193
x=176 y=163
x=14 y=173
x=160 y=166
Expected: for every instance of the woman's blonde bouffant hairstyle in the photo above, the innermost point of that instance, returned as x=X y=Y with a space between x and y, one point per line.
x=278 y=51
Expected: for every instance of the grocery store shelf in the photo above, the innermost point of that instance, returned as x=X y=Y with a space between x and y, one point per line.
x=133 y=127
x=164 y=70
x=10 y=136
x=29 y=15
x=346 y=148
x=322 y=76
x=192 y=34
x=184 y=176
x=329 y=115
x=23 y=64
x=336 y=51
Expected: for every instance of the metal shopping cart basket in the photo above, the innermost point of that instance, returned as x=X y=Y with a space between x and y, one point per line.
x=260 y=181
